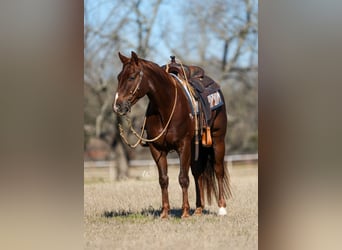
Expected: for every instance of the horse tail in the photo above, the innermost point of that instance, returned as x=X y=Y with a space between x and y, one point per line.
x=209 y=180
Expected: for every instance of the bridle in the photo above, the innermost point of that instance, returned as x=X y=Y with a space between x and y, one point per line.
x=140 y=135
x=137 y=87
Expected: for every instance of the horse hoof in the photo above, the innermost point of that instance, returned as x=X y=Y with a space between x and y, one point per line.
x=164 y=216
x=198 y=211
x=222 y=211
x=184 y=216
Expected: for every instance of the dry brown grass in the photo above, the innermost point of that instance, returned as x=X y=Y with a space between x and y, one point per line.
x=125 y=215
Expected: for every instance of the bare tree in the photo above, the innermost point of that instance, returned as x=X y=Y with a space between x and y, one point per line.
x=219 y=35
x=208 y=24
x=103 y=39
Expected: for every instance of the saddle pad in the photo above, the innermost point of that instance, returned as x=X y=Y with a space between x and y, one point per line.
x=215 y=100
x=187 y=94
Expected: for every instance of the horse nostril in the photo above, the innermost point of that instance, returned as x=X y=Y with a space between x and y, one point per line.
x=121 y=108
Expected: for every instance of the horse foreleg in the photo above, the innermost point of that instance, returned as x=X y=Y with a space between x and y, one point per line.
x=183 y=178
x=184 y=182
x=164 y=184
x=160 y=159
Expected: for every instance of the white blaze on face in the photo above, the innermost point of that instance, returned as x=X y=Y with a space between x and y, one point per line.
x=116 y=98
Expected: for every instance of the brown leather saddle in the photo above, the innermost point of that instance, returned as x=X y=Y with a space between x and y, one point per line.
x=207 y=91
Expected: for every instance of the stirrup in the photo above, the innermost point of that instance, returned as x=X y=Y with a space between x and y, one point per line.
x=206 y=138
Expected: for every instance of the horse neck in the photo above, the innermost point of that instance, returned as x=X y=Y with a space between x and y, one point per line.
x=161 y=90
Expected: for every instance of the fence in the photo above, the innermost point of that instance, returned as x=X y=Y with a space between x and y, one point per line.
x=229 y=159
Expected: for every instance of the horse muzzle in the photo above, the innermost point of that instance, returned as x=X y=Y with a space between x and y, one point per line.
x=122 y=108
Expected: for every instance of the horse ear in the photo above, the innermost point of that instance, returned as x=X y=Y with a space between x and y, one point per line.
x=135 y=58
x=123 y=58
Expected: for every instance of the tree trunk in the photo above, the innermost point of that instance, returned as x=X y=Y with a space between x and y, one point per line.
x=224 y=58
x=121 y=162
x=122 y=156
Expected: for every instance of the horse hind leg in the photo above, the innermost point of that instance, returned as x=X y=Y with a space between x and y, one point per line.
x=221 y=176
x=197 y=169
x=199 y=195
x=215 y=176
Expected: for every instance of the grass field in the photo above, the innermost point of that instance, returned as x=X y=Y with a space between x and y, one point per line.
x=125 y=215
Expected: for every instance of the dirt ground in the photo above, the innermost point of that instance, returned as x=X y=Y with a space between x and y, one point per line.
x=125 y=214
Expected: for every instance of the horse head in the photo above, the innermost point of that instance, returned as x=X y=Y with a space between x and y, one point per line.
x=131 y=85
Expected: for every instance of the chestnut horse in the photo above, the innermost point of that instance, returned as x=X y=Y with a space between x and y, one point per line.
x=170 y=122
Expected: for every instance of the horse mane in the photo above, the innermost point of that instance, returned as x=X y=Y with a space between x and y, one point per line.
x=156 y=69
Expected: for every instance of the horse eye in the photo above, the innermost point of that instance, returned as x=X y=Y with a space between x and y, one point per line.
x=131 y=78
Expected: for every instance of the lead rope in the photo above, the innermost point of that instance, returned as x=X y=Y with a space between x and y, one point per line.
x=140 y=136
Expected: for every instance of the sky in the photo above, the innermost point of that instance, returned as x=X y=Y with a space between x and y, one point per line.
x=99 y=10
